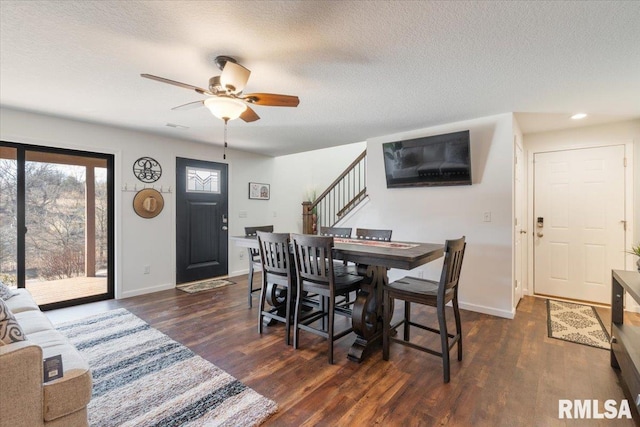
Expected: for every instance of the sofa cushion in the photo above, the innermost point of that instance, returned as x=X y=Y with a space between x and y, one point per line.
x=10 y=330
x=33 y=321
x=22 y=302
x=6 y=292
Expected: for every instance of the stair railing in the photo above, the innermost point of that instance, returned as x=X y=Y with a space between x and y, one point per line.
x=344 y=194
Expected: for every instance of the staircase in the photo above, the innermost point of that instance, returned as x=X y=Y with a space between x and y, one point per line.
x=343 y=195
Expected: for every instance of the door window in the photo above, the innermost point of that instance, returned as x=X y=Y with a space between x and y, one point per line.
x=203 y=180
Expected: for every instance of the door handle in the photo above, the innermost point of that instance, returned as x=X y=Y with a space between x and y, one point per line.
x=523 y=231
x=225 y=228
x=539 y=234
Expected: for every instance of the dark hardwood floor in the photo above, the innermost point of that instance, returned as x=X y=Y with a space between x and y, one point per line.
x=512 y=374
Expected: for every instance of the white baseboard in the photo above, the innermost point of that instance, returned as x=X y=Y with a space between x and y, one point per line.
x=631 y=306
x=487 y=310
x=239 y=272
x=147 y=290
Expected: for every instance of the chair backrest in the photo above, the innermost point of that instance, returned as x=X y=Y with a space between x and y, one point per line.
x=275 y=254
x=251 y=231
x=372 y=234
x=313 y=257
x=453 y=255
x=335 y=231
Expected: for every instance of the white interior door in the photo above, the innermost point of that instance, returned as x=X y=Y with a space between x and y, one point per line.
x=519 y=225
x=578 y=222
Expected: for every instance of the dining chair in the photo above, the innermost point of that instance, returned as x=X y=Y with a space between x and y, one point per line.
x=431 y=293
x=341 y=266
x=275 y=257
x=373 y=234
x=315 y=274
x=254 y=256
x=335 y=231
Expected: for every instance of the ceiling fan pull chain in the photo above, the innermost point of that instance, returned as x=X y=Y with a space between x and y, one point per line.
x=224 y=153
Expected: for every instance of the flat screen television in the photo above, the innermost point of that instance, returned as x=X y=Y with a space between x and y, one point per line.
x=428 y=161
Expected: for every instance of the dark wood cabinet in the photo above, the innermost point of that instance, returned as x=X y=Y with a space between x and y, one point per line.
x=625 y=338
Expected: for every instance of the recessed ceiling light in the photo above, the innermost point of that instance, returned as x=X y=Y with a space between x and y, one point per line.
x=578 y=116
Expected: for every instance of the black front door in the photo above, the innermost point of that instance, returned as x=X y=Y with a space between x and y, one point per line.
x=201 y=220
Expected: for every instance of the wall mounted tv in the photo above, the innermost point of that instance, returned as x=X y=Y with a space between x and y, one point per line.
x=428 y=161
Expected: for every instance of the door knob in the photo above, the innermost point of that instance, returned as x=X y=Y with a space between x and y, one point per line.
x=523 y=231
x=539 y=234
x=225 y=228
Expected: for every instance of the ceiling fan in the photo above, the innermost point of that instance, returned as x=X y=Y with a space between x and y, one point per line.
x=226 y=100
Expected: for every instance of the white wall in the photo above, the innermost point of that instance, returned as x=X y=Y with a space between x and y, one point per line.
x=297 y=176
x=139 y=241
x=414 y=214
x=434 y=214
x=293 y=179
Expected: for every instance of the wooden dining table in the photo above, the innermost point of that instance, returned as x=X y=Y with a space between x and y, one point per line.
x=373 y=258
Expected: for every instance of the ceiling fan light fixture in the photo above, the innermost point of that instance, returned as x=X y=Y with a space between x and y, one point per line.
x=225 y=108
x=234 y=77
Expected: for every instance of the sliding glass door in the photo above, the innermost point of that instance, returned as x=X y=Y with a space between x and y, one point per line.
x=8 y=216
x=63 y=228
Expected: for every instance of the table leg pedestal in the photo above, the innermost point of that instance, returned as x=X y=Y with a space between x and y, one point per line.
x=276 y=297
x=367 y=312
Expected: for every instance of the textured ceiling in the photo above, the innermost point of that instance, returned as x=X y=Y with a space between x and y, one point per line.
x=361 y=69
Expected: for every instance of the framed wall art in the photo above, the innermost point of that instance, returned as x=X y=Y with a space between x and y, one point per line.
x=259 y=191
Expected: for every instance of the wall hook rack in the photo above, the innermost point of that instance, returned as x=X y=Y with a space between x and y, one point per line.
x=128 y=188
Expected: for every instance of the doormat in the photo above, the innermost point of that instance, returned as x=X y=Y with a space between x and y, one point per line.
x=576 y=323
x=204 y=285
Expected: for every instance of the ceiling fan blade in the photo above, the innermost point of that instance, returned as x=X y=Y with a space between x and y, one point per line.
x=189 y=105
x=234 y=77
x=175 y=83
x=249 y=115
x=272 y=99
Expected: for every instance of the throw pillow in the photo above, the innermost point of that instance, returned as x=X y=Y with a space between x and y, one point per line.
x=10 y=330
x=6 y=292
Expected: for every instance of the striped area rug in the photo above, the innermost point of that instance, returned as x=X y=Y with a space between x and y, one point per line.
x=141 y=377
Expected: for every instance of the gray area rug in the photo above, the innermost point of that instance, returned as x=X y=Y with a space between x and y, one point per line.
x=141 y=377
x=576 y=323
x=204 y=285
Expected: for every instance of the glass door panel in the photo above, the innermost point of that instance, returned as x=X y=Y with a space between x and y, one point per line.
x=66 y=217
x=8 y=216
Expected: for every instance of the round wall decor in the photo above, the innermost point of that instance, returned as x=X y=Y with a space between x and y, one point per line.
x=147 y=169
x=148 y=203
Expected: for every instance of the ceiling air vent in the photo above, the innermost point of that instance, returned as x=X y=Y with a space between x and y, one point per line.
x=173 y=125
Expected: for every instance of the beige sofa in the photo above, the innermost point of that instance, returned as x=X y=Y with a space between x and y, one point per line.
x=24 y=399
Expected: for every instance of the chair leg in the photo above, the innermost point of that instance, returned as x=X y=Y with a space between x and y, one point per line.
x=323 y=308
x=407 y=319
x=250 y=281
x=287 y=322
x=444 y=339
x=263 y=296
x=456 y=314
x=386 y=327
x=296 y=317
x=330 y=330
